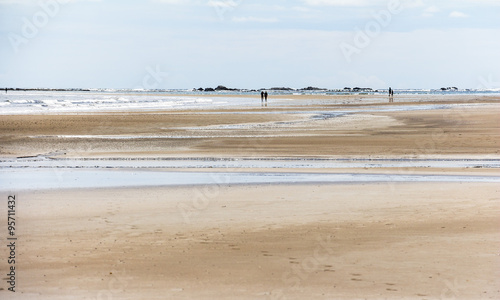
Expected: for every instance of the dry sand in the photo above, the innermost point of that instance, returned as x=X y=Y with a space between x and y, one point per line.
x=304 y=241
x=375 y=241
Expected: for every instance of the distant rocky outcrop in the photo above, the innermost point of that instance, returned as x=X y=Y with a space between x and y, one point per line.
x=312 y=88
x=281 y=89
x=359 y=89
x=223 y=88
x=219 y=88
x=450 y=88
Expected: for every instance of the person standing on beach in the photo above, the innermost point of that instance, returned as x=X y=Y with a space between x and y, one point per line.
x=265 y=95
x=262 y=96
x=390 y=91
x=6 y=90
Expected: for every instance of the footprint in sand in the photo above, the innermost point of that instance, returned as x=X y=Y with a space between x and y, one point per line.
x=328 y=268
x=357 y=275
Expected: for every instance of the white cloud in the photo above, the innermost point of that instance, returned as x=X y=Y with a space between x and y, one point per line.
x=171 y=1
x=457 y=14
x=254 y=19
x=35 y=2
x=413 y=3
x=343 y=2
x=430 y=11
x=483 y=2
x=223 y=4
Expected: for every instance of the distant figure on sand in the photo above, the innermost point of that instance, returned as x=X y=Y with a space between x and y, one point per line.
x=262 y=96
x=6 y=90
x=265 y=96
x=391 y=95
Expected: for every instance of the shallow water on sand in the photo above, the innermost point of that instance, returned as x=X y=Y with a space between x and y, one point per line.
x=244 y=163
x=41 y=179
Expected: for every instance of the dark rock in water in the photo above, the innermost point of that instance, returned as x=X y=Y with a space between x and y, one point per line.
x=281 y=89
x=312 y=88
x=200 y=90
x=358 y=89
x=209 y=90
x=221 y=88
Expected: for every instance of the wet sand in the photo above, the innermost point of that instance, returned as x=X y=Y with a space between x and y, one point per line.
x=464 y=128
x=377 y=240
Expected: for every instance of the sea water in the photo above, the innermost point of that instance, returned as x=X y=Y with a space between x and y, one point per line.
x=51 y=101
x=41 y=179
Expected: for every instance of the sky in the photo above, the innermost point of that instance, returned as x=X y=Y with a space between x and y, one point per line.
x=170 y=44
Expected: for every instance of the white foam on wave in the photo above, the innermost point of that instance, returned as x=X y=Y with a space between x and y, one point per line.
x=47 y=102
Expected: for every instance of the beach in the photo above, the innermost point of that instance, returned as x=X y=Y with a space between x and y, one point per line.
x=307 y=196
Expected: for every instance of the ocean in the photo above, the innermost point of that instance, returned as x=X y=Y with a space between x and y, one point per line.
x=74 y=101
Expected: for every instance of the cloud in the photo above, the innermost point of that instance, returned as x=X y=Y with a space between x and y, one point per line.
x=254 y=19
x=483 y=2
x=35 y=2
x=413 y=3
x=170 y=1
x=224 y=3
x=430 y=11
x=343 y=2
x=457 y=14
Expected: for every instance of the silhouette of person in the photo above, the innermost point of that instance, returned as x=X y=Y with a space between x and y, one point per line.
x=6 y=90
x=261 y=96
x=265 y=96
x=390 y=91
